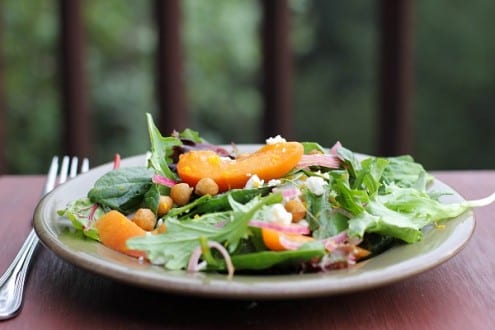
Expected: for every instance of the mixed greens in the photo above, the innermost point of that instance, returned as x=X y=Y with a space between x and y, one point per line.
x=331 y=210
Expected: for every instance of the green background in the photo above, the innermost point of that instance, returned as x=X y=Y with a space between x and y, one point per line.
x=335 y=78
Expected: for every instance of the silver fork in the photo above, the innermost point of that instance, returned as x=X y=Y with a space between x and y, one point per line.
x=13 y=280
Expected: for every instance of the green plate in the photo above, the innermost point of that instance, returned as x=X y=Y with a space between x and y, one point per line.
x=391 y=266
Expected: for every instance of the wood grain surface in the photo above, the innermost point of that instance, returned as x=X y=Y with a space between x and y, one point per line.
x=459 y=294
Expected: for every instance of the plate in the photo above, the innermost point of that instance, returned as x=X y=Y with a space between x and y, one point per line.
x=396 y=264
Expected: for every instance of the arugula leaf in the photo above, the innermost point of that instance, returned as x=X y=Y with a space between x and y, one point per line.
x=123 y=189
x=174 y=247
x=161 y=150
x=83 y=213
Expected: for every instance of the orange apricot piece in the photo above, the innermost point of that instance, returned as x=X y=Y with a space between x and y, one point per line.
x=272 y=161
x=114 y=229
x=273 y=239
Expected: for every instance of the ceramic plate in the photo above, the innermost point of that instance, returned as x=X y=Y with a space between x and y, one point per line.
x=393 y=265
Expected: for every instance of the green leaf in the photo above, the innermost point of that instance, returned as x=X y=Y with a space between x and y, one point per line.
x=192 y=135
x=268 y=259
x=379 y=219
x=405 y=172
x=402 y=213
x=83 y=214
x=152 y=198
x=331 y=225
x=220 y=202
x=312 y=146
x=122 y=189
x=161 y=150
x=370 y=174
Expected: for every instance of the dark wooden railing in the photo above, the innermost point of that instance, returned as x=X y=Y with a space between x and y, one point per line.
x=396 y=86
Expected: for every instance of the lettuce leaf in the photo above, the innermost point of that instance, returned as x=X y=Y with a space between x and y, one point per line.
x=403 y=213
x=83 y=214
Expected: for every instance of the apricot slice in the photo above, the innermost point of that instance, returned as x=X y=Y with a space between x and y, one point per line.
x=114 y=229
x=272 y=161
x=278 y=241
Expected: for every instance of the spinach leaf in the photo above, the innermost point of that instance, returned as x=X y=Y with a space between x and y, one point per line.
x=152 y=198
x=123 y=189
x=220 y=202
x=268 y=259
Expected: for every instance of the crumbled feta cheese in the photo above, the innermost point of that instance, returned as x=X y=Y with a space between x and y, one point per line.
x=274 y=182
x=254 y=182
x=316 y=185
x=303 y=222
x=278 y=214
x=276 y=139
x=225 y=159
x=159 y=260
x=325 y=175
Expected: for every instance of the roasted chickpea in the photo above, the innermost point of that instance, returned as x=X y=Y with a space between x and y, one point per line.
x=164 y=205
x=206 y=186
x=145 y=218
x=160 y=229
x=181 y=193
x=296 y=207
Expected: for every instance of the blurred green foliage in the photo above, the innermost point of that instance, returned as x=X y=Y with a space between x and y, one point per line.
x=335 y=88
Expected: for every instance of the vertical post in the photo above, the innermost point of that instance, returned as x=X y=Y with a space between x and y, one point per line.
x=169 y=67
x=3 y=107
x=396 y=113
x=76 y=135
x=277 y=68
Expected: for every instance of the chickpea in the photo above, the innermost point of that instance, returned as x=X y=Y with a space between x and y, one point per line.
x=160 y=229
x=181 y=193
x=297 y=208
x=206 y=186
x=164 y=205
x=145 y=218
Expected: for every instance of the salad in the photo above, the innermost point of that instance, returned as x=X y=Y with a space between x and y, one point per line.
x=287 y=207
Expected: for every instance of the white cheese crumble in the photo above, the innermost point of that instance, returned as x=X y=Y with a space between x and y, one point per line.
x=316 y=185
x=276 y=139
x=274 y=182
x=254 y=182
x=278 y=214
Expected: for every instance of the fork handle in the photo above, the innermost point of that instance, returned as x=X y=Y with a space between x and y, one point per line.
x=13 y=280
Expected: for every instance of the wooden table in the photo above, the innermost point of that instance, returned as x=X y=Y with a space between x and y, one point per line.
x=459 y=294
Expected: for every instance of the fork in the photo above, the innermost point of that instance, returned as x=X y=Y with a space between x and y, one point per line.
x=13 y=280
